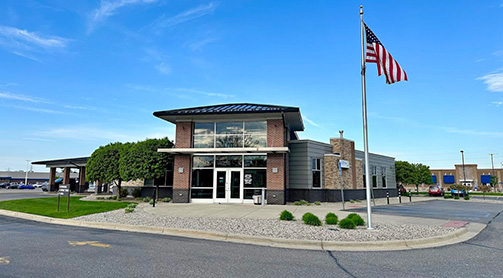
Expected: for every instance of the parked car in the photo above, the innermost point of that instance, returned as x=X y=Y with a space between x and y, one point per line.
x=4 y=185
x=26 y=186
x=460 y=193
x=37 y=185
x=401 y=189
x=13 y=185
x=435 y=190
x=45 y=186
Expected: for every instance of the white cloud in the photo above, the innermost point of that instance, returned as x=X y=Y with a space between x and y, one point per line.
x=204 y=93
x=163 y=68
x=108 y=8
x=309 y=121
x=497 y=103
x=26 y=44
x=84 y=133
x=6 y=95
x=34 y=109
x=198 y=45
x=473 y=132
x=498 y=53
x=494 y=81
x=162 y=23
x=31 y=38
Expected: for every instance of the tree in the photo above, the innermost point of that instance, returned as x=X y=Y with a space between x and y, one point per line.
x=408 y=173
x=404 y=172
x=103 y=165
x=494 y=181
x=143 y=161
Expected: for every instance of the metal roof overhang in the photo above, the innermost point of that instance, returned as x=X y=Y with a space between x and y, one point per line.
x=224 y=150
x=64 y=162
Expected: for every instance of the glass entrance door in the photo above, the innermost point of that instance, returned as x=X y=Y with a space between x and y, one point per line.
x=228 y=186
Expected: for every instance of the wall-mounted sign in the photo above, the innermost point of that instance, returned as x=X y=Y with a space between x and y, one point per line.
x=343 y=164
x=248 y=179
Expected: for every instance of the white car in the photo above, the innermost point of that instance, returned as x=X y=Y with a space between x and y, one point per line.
x=37 y=185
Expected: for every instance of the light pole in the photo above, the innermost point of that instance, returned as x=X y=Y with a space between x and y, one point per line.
x=492 y=167
x=463 y=161
x=26 y=176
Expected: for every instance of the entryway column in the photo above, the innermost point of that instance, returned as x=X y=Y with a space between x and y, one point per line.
x=66 y=175
x=52 y=178
x=181 y=179
x=82 y=178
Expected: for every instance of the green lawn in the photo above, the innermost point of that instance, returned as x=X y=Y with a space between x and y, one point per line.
x=48 y=206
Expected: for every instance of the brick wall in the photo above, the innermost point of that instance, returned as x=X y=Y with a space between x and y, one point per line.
x=275 y=133
x=181 y=181
x=183 y=135
x=276 y=181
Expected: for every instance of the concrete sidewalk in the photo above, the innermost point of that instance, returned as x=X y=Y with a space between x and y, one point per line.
x=272 y=212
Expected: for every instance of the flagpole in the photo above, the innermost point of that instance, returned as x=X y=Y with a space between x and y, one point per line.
x=365 y=133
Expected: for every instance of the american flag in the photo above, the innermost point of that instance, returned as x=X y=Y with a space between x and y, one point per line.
x=376 y=53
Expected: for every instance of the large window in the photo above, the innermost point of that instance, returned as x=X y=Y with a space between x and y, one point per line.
x=202 y=177
x=374 y=175
x=316 y=168
x=230 y=134
x=203 y=169
x=383 y=176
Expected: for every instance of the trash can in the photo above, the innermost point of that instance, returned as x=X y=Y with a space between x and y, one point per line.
x=257 y=199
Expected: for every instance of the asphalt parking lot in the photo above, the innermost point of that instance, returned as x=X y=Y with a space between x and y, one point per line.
x=460 y=210
x=16 y=194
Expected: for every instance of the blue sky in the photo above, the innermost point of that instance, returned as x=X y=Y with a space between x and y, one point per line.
x=79 y=74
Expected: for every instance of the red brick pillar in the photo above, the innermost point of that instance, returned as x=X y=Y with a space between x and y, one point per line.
x=52 y=178
x=66 y=175
x=276 y=178
x=276 y=166
x=182 y=170
x=82 y=178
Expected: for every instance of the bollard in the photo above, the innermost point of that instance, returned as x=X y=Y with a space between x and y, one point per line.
x=410 y=196
x=387 y=197
x=399 y=197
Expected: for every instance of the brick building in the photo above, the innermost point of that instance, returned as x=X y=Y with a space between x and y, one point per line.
x=472 y=175
x=227 y=153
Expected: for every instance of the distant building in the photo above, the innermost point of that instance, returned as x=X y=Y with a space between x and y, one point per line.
x=19 y=176
x=471 y=175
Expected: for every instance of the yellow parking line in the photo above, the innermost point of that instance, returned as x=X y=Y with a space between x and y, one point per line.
x=4 y=260
x=91 y=243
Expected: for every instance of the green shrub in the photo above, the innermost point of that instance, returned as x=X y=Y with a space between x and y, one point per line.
x=467 y=197
x=347 y=223
x=123 y=192
x=300 y=203
x=456 y=197
x=352 y=201
x=331 y=218
x=138 y=198
x=119 y=199
x=311 y=219
x=286 y=215
x=357 y=219
x=166 y=200
x=114 y=197
x=151 y=202
x=317 y=203
x=147 y=199
x=100 y=198
x=132 y=205
x=136 y=193
x=129 y=209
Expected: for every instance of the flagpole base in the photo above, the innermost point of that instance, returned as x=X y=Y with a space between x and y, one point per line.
x=371 y=228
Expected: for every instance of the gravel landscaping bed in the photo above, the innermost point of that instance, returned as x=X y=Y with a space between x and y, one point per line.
x=269 y=227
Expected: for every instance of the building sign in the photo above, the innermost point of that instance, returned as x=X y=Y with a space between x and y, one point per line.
x=343 y=164
x=248 y=179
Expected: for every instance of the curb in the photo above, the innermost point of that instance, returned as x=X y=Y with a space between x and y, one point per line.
x=460 y=235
